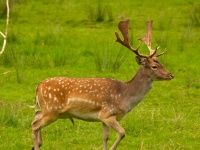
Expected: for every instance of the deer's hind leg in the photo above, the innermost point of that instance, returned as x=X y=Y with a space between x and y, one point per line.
x=41 y=120
x=37 y=136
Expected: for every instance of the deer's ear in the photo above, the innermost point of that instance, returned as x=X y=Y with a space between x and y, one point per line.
x=140 y=60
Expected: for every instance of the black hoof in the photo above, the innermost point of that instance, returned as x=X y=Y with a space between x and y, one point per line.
x=33 y=146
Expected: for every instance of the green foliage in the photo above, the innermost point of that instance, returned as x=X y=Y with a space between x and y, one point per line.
x=100 y=12
x=75 y=38
x=109 y=58
x=195 y=15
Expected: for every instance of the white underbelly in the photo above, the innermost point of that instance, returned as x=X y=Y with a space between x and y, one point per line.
x=92 y=116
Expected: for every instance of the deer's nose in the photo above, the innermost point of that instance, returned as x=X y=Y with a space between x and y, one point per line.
x=171 y=75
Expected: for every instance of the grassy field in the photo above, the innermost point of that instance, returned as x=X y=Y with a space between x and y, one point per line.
x=75 y=38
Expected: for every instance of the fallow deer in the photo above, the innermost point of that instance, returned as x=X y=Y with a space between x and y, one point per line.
x=98 y=99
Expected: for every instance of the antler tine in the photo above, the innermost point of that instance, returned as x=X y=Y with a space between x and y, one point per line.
x=124 y=28
x=161 y=53
x=148 y=37
x=147 y=40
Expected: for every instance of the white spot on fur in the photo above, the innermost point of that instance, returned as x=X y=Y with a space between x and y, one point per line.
x=50 y=95
x=55 y=98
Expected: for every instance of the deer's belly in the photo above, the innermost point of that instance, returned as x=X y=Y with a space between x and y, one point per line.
x=92 y=116
x=83 y=109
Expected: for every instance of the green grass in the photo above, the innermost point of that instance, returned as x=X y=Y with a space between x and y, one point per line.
x=60 y=38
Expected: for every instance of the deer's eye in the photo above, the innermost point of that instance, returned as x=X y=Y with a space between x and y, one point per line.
x=154 y=67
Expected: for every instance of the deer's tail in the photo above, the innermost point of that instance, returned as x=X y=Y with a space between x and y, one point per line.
x=36 y=100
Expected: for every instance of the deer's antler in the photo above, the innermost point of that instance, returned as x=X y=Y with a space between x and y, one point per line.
x=147 y=40
x=124 y=28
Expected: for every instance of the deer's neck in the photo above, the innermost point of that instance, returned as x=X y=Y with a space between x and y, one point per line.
x=138 y=87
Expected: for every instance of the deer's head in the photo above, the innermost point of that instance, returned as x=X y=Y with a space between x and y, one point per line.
x=150 y=64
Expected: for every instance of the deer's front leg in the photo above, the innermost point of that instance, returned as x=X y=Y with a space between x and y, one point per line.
x=113 y=123
x=106 y=130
